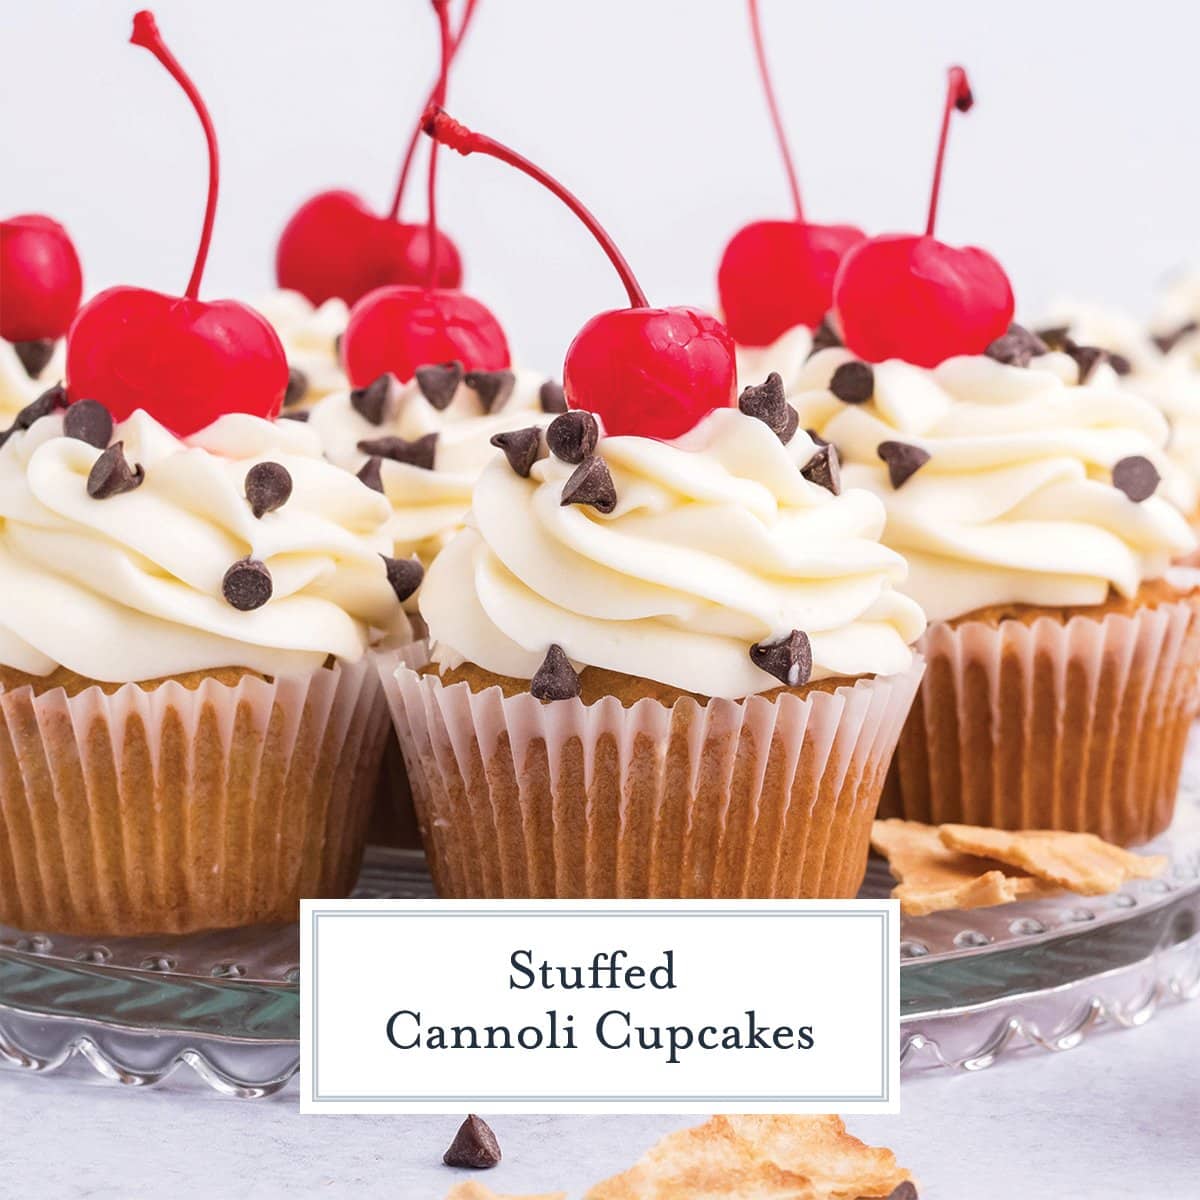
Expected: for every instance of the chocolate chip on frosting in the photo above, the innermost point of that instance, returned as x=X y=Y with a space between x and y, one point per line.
x=1120 y=363
x=247 y=585
x=474 y=1146
x=521 y=447
x=825 y=337
x=1137 y=477
x=1167 y=342
x=88 y=421
x=375 y=402
x=420 y=452
x=1017 y=348
x=34 y=355
x=1087 y=358
x=404 y=574
x=439 y=381
x=789 y=659
x=111 y=474
x=573 y=436
x=824 y=469
x=903 y=460
x=1056 y=337
x=268 y=486
x=492 y=387
x=551 y=397
x=591 y=483
x=297 y=387
x=555 y=679
x=766 y=402
x=853 y=382
x=371 y=473
x=300 y=415
x=51 y=400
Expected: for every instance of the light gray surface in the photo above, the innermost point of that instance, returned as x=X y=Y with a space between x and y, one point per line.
x=1116 y=1119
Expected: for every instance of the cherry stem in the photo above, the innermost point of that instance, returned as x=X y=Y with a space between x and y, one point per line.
x=958 y=96
x=440 y=7
x=410 y=152
x=145 y=33
x=444 y=129
x=764 y=74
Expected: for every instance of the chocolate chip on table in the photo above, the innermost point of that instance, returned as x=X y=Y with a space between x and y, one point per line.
x=825 y=337
x=573 y=436
x=853 y=383
x=297 y=387
x=551 y=397
x=88 y=421
x=555 y=679
x=1137 y=477
x=268 y=486
x=492 y=387
x=767 y=403
x=34 y=355
x=371 y=473
x=404 y=574
x=903 y=460
x=521 y=447
x=247 y=585
x=1018 y=347
x=592 y=484
x=788 y=659
x=1167 y=342
x=474 y=1145
x=439 y=381
x=824 y=469
x=111 y=474
x=420 y=452
x=375 y=402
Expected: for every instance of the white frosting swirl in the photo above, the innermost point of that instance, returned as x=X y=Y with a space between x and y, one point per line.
x=1016 y=503
x=129 y=587
x=17 y=389
x=787 y=355
x=429 y=507
x=309 y=336
x=717 y=542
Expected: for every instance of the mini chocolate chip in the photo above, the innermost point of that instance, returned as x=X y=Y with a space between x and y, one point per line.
x=88 y=421
x=1087 y=358
x=418 y=453
x=492 y=387
x=853 y=383
x=1120 y=364
x=573 y=436
x=789 y=659
x=247 y=585
x=297 y=387
x=555 y=679
x=825 y=337
x=792 y=423
x=1056 y=337
x=371 y=473
x=111 y=474
x=551 y=397
x=767 y=403
x=521 y=447
x=439 y=381
x=300 y=415
x=816 y=437
x=375 y=402
x=903 y=460
x=268 y=486
x=591 y=483
x=49 y=401
x=474 y=1146
x=1167 y=342
x=1017 y=348
x=1137 y=477
x=34 y=355
x=825 y=470
x=404 y=574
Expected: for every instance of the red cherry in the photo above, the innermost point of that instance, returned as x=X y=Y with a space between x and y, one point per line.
x=40 y=278
x=334 y=245
x=183 y=360
x=653 y=372
x=398 y=329
x=775 y=275
x=915 y=298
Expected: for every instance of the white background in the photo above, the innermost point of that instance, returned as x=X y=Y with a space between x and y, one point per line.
x=1078 y=166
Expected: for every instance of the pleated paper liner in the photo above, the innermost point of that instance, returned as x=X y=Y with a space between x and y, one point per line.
x=175 y=809
x=1076 y=725
x=754 y=798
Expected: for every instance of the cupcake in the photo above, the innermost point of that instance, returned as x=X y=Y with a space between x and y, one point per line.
x=311 y=336
x=1023 y=489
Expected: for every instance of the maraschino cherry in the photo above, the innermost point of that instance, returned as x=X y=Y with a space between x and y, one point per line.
x=775 y=275
x=649 y=371
x=40 y=279
x=334 y=245
x=915 y=298
x=185 y=361
x=394 y=330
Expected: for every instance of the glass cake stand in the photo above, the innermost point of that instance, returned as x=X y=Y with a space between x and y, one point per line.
x=222 y=1009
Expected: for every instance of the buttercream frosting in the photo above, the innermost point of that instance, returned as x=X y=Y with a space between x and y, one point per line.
x=309 y=336
x=17 y=387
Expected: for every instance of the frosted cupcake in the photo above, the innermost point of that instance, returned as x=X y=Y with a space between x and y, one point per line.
x=1023 y=489
x=311 y=336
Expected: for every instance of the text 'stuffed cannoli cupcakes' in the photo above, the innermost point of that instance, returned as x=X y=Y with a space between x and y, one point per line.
x=311 y=337
x=668 y=660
